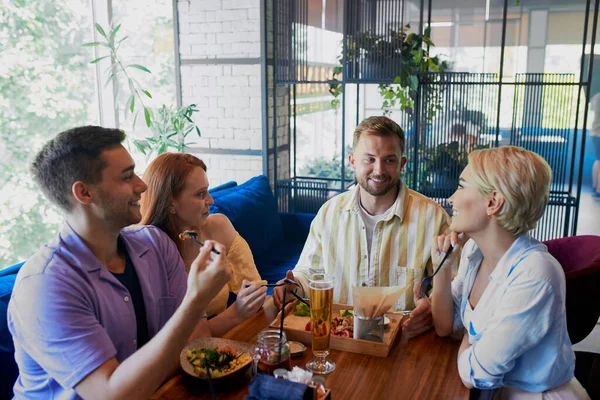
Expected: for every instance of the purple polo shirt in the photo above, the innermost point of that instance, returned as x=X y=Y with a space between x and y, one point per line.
x=68 y=315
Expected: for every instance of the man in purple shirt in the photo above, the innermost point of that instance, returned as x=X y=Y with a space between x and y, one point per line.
x=103 y=311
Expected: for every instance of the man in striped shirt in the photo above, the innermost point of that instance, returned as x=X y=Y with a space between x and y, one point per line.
x=377 y=234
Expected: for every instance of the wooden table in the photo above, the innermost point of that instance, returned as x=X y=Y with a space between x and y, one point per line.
x=422 y=368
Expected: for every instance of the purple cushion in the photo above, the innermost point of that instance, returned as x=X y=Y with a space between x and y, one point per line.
x=580 y=258
x=574 y=252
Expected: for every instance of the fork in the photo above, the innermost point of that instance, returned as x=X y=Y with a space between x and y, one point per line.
x=194 y=236
x=428 y=280
x=287 y=281
x=213 y=393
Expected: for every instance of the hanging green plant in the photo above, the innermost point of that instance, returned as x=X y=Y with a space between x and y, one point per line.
x=415 y=60
x=404 y=48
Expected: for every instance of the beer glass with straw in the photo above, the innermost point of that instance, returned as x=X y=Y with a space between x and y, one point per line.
x=321 y=299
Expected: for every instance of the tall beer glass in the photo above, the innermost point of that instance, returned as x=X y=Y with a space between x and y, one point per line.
x=321 y=299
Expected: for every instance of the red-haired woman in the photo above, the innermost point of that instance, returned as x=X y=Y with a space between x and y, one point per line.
x=177 y=199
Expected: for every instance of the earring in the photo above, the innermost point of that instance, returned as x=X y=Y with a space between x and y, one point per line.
x=489 y=215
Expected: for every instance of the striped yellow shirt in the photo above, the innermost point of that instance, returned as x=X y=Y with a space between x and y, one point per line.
x=337 y=243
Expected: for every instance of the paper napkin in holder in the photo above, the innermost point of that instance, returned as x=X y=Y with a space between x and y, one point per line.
x=370 y=305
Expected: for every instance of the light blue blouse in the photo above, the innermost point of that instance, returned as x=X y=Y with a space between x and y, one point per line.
x=518 y=330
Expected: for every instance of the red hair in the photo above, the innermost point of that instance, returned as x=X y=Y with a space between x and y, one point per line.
x=165 y=177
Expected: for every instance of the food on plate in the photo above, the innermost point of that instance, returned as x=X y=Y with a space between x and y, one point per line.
x=185 y=235
x=340 y=326
x=346 y=313
x=302 y=310
x=221 y=360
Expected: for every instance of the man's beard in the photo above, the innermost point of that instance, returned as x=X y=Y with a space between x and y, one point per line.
x=392 y=184
x=116 y=212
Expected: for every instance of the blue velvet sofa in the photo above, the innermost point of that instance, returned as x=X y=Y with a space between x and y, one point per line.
x=8 y=367
x=276 y=239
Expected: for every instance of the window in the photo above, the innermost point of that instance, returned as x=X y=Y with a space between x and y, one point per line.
x=48 y=85
x=150 y=43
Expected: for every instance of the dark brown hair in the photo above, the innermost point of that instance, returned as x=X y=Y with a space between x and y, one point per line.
x=73 y=155
x=165 y=177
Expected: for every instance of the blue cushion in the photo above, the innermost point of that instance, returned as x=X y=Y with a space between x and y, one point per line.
x=224 y=186
x=7 y=282
x=252 y=209
x=273 y=265
x=13 y=269
x=8 y=366
x=8 y=374
x=6 y=286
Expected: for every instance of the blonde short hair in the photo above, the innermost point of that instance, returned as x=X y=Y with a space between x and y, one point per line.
x=521 y=176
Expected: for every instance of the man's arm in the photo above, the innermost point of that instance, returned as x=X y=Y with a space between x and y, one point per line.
x=421 y=318
x=141 y=374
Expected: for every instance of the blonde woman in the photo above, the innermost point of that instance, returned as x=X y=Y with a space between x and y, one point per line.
x=509 y=293
x=177 y=199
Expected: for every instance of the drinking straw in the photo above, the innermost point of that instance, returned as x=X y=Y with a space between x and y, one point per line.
x=213 y=394
x=281 y=326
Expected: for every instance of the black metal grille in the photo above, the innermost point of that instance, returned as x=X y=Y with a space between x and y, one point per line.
x=439 y=145
x=301 y=196
x=544 y=111
x=558 y=219
x=290 y=55
x=543 y=119
x=371 y=30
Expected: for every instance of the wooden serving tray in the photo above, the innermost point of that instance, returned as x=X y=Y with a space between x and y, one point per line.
x=294 y=327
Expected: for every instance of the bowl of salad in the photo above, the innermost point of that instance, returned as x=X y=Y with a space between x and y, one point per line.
x=224 y=357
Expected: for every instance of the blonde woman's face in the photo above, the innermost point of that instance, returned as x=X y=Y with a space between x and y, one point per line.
x=468 y=206
x=192 y=205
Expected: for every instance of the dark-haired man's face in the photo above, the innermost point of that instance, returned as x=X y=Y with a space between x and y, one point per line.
x=120 y=189
x=377 y=162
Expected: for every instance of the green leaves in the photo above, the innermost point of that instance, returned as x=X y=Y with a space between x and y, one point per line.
x=140 y=67
x=131 y=102
x=170 y=126
x=100 y=30
x=407 y=49
x=148 y=116
x=114 y=33
x=98 y=59
x=92 y=44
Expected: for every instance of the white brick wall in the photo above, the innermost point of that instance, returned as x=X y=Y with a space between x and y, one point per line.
x=219 y=28
x=225 y=168
x=228 y=95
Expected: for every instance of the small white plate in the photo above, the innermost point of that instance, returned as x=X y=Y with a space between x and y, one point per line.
x=296 y=348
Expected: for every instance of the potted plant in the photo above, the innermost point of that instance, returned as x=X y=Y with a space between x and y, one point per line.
x=403 y=49
x=170 y=126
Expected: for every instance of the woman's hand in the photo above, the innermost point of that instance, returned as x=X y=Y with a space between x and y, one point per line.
x=250 y=299
x=441 y=244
